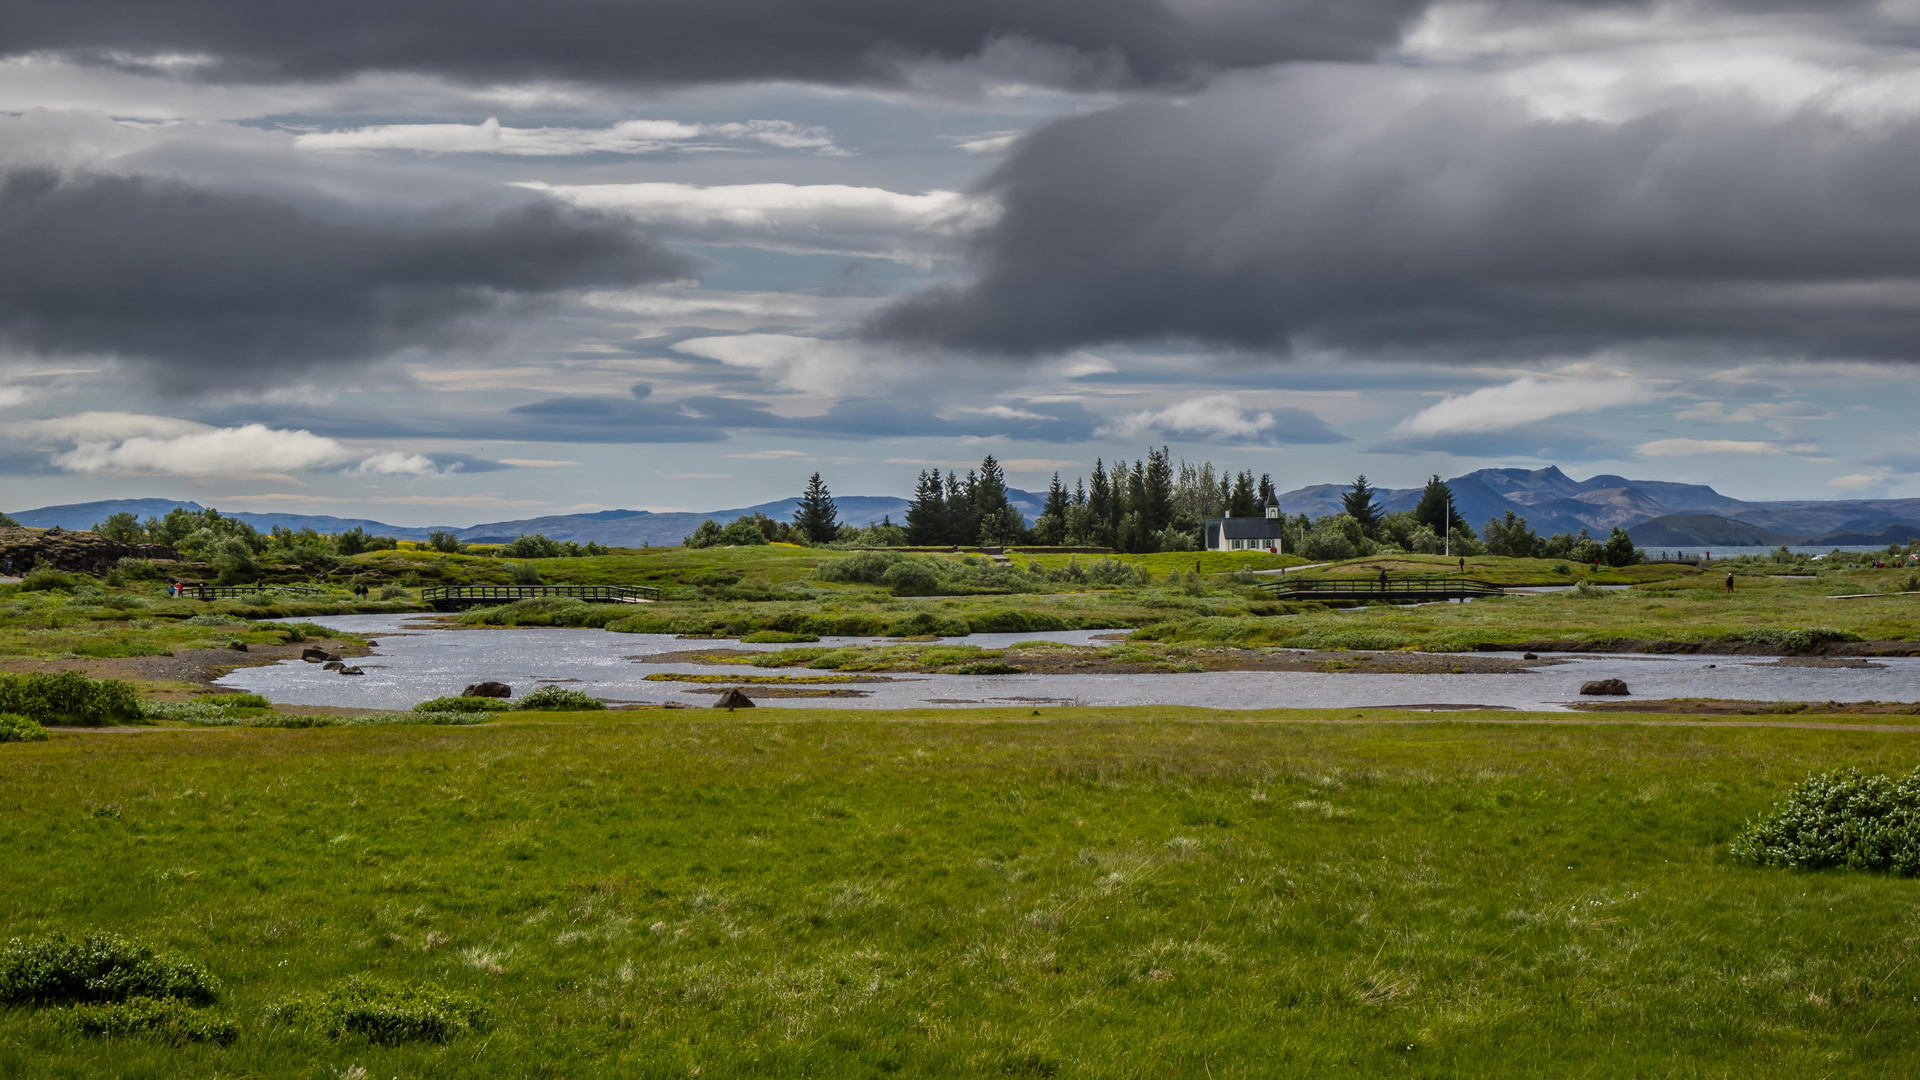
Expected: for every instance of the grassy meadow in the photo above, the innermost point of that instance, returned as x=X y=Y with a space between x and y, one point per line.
x=1154 y=892
x=781 y=589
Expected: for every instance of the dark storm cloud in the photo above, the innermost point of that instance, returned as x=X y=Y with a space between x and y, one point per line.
x=660 y=42
x=1368 y=212
x=216 y=288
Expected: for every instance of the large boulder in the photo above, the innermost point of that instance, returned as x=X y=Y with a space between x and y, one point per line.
x=488 y=689
x=314 y=654
x=733 y=699
x=1604 y=687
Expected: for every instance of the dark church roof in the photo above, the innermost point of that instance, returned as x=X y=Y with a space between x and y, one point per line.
x=1243 y=528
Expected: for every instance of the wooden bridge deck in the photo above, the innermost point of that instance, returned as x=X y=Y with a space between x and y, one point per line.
x=1391 y=591
x=454 y=597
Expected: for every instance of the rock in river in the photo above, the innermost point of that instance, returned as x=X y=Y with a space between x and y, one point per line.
x=1613 y=687
x=488 y=689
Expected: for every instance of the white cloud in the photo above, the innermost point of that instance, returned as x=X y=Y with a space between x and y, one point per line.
x=773 y=455
x=671 y=303
x=1857 y=481
x=801 y=218
x=134 y=443
x=1688 y=447
x=801 y=365
x=1777 y=413
x=626 y=137
x=1217 y=417
x=992 y=142
x=1526 y=400
x=535 y=463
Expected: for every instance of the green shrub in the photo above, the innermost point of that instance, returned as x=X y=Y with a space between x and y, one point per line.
x=392 y=592
x=162 y=1020
x=388 y=1013
x=983 y=667
x=235 y=701
x=99 y=968
x=68 y=697
x=925 y=623
x=560 y=699
x=1798 y=640
x=777 y=637
x=17 y=728
x=544 y=611
x=462 y=705
x=1016 y=622
x=138 y=569
x=1846 y=818
x=43 y=578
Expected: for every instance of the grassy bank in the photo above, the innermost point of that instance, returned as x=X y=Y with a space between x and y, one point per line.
x=988 y=893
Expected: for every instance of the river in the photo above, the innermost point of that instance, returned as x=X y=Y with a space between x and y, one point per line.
x=411 y=665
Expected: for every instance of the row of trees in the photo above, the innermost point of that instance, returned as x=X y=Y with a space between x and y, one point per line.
x=1154 y=505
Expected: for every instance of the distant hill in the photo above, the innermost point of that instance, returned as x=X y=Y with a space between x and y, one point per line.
x=638 y=528
x=1892 y=534
x=1690 y=530
x=83 y=516
x=1550 y=500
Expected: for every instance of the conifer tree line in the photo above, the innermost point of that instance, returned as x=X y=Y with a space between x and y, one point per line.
x=1150 y=505
x=1156 y=505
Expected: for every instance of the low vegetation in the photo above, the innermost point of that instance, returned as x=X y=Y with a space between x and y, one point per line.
x=384 y=1012
x=832 y=893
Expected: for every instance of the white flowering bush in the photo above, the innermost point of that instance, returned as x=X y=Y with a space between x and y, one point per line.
x=1841 y=819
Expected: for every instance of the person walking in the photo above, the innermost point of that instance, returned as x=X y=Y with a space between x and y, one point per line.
x=1729 y=583
x=1383 y=579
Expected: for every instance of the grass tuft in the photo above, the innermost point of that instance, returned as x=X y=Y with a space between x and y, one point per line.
x=387 y=1013
x=163 y=1020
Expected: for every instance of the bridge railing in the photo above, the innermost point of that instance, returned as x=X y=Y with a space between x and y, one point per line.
x=1359 y=588
x=441 y=596
x=217 y=592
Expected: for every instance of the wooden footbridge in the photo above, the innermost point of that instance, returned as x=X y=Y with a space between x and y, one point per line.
x=1363 y=590
x=455 y=597
x=224 y=592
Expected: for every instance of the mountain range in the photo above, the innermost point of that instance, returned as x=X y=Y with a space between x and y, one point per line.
x=1656 y=512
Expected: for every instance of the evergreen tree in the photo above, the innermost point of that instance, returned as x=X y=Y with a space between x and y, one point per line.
x=1432 y=512
x=927 y=517
x=1079 y=491
x=1051 y=526
x=1619 y=549
x=1132 y=530
x=1359 y=504
x=1242 y=501
x=1156 y=492
x=1000 y=521
x=817 y=518
x=959 y=512
x=1268 y=496
x=1100 y=503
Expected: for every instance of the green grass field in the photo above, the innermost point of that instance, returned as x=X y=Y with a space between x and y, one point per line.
x=1156 y=892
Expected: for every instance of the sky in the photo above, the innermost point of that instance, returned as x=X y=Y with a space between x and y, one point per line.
x=446 y=264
